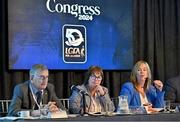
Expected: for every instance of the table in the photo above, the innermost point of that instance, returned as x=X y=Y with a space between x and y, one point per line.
x=133 y=117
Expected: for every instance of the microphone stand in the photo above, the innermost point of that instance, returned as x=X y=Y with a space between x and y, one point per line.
x=84 y=104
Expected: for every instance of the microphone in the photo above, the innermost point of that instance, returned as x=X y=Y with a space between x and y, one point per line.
x=73 y=87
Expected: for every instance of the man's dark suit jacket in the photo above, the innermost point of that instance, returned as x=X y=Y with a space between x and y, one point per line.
x=172 y=91
x=23 y=98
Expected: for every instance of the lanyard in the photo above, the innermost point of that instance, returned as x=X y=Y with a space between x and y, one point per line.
x=35 y=97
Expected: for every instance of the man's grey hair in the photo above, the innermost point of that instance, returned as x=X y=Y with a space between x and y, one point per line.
x=36 y=68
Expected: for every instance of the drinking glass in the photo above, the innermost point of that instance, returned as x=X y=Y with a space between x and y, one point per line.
x=44 y=109
x=167 y=104
x=108 y=112
x=115 y=101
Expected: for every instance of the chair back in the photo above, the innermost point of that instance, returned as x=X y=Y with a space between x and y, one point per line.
x=65 y=102
x=4 y=106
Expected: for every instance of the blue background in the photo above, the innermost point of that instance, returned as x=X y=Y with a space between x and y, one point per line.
x=35 y=35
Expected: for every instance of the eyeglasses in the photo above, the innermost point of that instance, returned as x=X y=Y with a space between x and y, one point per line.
x=96 y=77
x=42 y=77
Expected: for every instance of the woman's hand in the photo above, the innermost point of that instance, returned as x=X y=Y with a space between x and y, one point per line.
x=100 y=90
x=158 y=84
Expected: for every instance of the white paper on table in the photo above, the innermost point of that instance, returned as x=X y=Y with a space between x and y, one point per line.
x=16 y=118
x=57 y=114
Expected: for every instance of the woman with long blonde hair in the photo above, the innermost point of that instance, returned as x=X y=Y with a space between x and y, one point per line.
x=141 y=91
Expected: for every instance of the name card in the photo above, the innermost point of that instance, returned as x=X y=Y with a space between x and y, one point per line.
x=57 y=114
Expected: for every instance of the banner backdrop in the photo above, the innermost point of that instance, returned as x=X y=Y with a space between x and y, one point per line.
x=70 y=34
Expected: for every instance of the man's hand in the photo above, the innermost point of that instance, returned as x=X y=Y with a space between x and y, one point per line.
x=52 y=106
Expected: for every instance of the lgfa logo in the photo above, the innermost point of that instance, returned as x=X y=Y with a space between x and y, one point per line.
x=74 y=43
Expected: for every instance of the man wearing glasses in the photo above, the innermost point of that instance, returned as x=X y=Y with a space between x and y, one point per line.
x=32 y=94
x=94 y=98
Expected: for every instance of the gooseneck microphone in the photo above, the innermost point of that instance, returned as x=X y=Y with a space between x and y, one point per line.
x=73 y=87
